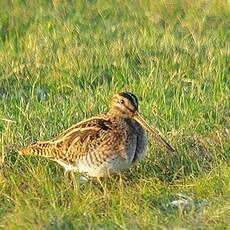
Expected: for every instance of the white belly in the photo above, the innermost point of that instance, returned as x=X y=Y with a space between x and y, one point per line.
x=111 y=166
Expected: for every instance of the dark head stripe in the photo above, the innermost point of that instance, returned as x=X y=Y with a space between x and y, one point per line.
x=131 y=97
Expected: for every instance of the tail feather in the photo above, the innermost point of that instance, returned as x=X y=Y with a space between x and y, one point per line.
x=38 y=149
x=27 y=151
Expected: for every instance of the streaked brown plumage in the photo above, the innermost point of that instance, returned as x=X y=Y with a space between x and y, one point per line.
x=104 y=144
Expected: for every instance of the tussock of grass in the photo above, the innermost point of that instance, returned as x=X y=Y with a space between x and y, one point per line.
x=61 y=61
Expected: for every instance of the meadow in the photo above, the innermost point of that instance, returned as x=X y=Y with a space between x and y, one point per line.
x=61 y=61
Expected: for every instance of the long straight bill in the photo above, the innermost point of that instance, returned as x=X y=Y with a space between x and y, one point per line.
x=154 y=132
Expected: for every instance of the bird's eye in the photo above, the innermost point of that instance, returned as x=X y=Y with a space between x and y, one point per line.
x=122 y=101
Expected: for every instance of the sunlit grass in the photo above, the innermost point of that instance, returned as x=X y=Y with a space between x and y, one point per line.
x=61 y=61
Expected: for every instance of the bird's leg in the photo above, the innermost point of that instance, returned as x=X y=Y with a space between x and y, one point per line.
x=66 y=178
x=120 y=181
x=102 y=186
x=69 y=175
x=121 y=185
x=66 y=174
x=73 y=178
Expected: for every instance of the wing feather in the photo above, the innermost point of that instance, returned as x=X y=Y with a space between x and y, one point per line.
x=95 y=134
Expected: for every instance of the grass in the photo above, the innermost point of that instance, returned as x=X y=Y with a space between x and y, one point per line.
x=61 y=61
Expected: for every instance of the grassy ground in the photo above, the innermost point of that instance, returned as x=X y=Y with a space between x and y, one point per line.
x=61 y=61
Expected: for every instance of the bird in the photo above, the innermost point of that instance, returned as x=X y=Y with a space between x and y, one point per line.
x=102 y=145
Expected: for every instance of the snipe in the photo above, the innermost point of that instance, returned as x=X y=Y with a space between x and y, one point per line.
x=104 y=144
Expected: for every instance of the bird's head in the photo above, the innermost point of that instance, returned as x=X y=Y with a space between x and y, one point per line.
x=126 y=104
